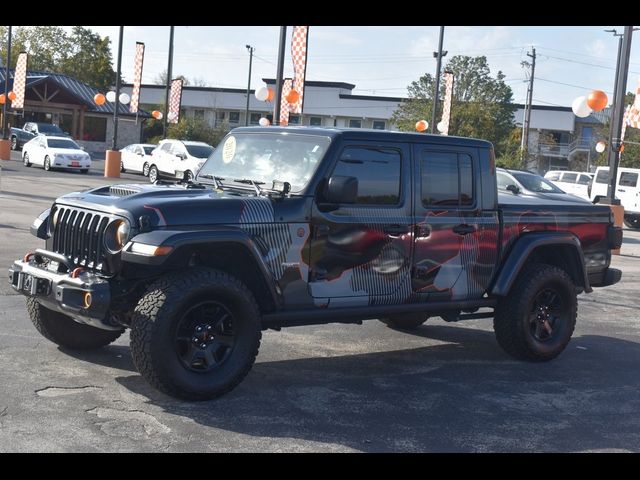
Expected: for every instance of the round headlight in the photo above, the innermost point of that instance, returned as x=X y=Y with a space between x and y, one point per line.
x=116 y=235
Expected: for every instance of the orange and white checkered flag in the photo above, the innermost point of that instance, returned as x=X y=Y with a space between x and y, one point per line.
x=19 y=81
x=299 y=40
x=175 y=99
x=137 y=77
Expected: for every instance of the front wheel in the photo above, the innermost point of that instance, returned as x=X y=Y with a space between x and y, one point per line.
x=536 y=320
x=145 y=169
x=195 y=334
x=122 y=170
x=153 y=174
x=47 y=163
x=632 y=222
x=25 y=160
x=14 y=143
x=65 y=331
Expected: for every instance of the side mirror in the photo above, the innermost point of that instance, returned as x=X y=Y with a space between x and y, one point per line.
x=181 y=156
x=513 y=189
x=341 y=189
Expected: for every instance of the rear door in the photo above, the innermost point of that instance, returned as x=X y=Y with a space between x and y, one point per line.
x=627 y=190
x=360 y=253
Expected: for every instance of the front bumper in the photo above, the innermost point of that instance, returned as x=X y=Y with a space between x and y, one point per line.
x=85 y=298
x=607 y=277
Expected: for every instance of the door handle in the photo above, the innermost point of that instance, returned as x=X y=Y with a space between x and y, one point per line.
x=396 y=229
x=464 y=229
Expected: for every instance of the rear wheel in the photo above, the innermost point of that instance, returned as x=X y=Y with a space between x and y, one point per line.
x=195 y=334
x=47 y=163
x=535 y=322
x=632 y=222
x=153 y=174
x=14 y=143
x=145 y=169
x=65 y=331
x=409 y=321
x=25 y=160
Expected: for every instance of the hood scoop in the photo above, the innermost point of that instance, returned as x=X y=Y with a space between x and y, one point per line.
x=123 y=190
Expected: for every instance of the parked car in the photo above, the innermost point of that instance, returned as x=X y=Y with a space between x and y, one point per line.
x=627 y=191
x=576 y=183
x=136 y=158
x=175 y=158
x=55 y=152
x=298 y=226
x=30 y=130
x=521 y=182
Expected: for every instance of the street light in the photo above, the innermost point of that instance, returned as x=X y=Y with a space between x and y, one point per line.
x=246 y=115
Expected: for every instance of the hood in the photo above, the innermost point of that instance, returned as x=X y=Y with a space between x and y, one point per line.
x=170 y=205
x=68 y=151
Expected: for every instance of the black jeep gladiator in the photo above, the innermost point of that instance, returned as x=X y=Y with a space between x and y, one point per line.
x=299 y=226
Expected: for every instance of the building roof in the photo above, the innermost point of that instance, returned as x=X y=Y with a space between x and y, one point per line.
x=78 y=89
x=315 y=83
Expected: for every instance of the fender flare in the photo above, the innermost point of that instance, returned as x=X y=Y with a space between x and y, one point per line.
x=526 y=245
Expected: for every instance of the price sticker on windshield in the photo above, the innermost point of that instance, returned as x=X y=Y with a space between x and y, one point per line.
x=229 y=150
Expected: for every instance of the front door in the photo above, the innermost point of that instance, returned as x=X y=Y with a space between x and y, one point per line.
x=360 y=253
x=455 y=242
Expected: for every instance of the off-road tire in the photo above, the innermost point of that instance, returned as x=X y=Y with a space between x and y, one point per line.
x=154 y=331
x=515 y=319
x=407 y=321
x=65 y=331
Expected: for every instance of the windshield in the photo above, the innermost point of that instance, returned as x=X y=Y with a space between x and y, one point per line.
x=48 y=128
x=148 y=150
x=199 y=151
x=536 y=183
x=61 y=143
x=267 y=157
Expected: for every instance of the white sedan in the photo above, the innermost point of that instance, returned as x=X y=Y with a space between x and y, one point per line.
x=136 y=158
x=55 y=152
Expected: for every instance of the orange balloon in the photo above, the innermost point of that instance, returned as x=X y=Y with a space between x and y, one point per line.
x=2 y=99
x=421 y=125
x=157 y=114
x=622 y=148
x=292 y=97
x=12 y=95
x=597 y=100
x=270 y=95
x=99 y=99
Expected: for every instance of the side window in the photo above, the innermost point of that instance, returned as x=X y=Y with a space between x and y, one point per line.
x=377 y=171
x=602 y=176
x=177 y=149
x=628 y=179
x=503 y=180
x=584 y=179
x=166 y=147
x=554 y=176
x=447 y=179
x=569 y=177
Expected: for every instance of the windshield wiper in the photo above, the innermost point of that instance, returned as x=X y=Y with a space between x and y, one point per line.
x=217 y=180
x=253 y=183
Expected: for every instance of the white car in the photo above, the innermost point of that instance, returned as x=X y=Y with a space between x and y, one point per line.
x=627 y=191
x=55 y=152
x=175 y=158
x=576 y=183
x=136 y=158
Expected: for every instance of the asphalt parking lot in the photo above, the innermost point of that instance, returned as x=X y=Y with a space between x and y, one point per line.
x=333 y=388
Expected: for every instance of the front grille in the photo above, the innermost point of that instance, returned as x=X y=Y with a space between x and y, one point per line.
x=79 y=235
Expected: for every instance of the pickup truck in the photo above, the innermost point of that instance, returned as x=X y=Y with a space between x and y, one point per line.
x=287 y=226
x=20 y=136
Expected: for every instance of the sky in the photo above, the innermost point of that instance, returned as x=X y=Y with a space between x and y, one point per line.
x=383 y=60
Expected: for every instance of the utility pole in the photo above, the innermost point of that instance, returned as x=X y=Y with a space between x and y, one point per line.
x=277 y=105
x=246 y=116
x=169 y=73
x=527 y=119
x=6 y=86
x=116 y=104
x=617 y=113
x=438 y=55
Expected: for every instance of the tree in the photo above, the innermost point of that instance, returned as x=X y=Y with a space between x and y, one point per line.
x=481 y=108
x=82 y=54
x=161 y=79
x=188 y=128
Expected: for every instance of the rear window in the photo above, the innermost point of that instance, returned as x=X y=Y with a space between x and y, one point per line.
x=602 y=176
x=584 y=179
x=570 y=177
x=628 y=179
x=552 y=176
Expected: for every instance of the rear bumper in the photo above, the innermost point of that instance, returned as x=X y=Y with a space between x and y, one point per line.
x=610 y=276
x=86 y=298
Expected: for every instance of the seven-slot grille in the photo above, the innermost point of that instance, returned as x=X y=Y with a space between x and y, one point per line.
x=79 y=235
